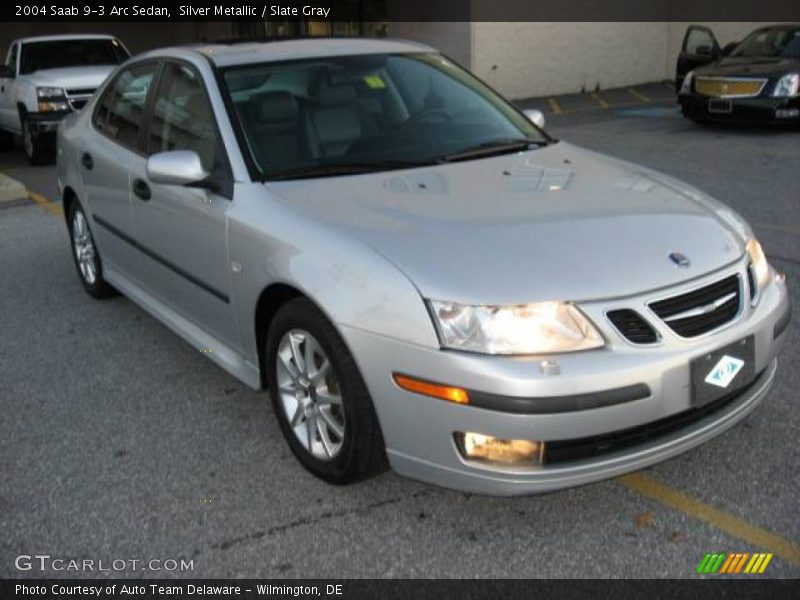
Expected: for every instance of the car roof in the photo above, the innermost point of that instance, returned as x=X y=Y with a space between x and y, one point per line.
x=779 y=27
x=229 y=54
x=67 y=36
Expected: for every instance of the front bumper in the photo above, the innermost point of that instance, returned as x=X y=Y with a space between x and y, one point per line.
x=46 y=123
x=743 y=110
x=418 y=430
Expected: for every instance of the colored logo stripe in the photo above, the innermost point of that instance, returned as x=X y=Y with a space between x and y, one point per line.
x=721 y=562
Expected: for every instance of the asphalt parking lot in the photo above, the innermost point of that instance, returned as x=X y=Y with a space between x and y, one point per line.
x=118 y=440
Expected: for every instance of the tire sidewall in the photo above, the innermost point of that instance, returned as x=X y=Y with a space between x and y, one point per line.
x=302 y=315
x=94 y=289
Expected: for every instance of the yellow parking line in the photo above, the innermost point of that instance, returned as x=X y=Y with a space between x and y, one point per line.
x=781 y=228
x=600 y=101
x=638 y=94
x=45 y=203
x=726 y=522
x=554 y=105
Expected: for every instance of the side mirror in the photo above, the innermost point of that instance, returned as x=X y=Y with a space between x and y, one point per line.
x=6 y=72
x=535 y=116
x=177 y=167
x=704 y=51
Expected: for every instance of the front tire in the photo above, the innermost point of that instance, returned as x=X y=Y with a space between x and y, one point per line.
x=6 y=140
x=37 y=151
x=319 y=397
x=85 y=254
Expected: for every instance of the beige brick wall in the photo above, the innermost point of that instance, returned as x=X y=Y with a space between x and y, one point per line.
x=536 y=59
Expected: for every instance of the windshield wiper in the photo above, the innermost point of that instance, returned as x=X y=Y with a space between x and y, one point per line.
x=494 y=147
x=334 y=169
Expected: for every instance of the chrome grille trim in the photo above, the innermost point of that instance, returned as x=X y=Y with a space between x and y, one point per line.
x=733 y=81
x=703 y=310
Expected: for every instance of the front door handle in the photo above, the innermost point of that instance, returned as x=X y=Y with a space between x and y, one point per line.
x=141 y=189
x=87 y=161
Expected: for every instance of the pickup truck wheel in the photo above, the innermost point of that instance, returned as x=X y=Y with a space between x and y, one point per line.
x=321 y=402
x=85 y=254
x=6 y=140
x=37 y=152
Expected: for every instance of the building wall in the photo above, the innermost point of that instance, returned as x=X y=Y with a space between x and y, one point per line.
x=535 y=59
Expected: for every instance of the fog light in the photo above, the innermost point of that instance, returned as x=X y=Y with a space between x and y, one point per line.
x=476 y=446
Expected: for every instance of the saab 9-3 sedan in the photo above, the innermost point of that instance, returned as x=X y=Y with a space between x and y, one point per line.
x=419 y=275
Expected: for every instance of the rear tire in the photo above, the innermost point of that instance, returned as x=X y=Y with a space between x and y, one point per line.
x=85 y=254
x=320 y=400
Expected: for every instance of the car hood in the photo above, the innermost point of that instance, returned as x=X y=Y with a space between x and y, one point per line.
x=556 y=223
x=735 y=66
x=72 y=77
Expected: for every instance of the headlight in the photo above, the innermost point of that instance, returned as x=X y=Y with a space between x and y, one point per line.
x=50 y=92
x=541 y=328
x=759 y=268
x=51 y=99
x=787 y=85
x=686 y=86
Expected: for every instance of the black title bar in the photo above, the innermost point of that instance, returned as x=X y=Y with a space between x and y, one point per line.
x=402 y=10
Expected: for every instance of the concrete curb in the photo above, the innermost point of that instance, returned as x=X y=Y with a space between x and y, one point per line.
x=11 y=189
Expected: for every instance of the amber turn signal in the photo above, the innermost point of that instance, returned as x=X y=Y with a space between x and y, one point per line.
x=435 y=390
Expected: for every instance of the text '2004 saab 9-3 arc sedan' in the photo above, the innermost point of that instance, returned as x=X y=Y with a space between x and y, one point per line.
x=418 y=273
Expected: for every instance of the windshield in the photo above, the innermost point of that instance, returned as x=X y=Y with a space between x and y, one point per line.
x=70 y=53
x=348 y=114
x=770 y=42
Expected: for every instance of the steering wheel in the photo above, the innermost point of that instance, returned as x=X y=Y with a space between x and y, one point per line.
x=426 y=114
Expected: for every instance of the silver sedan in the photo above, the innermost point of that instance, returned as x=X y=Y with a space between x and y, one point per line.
x=418 y=273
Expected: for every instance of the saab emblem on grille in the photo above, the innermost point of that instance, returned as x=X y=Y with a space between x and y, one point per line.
x=680 y=260
x=724 y=371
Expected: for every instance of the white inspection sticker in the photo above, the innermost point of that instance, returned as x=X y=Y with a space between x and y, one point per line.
x=724 y=371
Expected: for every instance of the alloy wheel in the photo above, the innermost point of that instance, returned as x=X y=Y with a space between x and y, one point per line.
x=83 y=246
x=310 y=395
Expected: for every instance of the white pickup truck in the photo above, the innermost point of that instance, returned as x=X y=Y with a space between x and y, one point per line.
x=44 y=79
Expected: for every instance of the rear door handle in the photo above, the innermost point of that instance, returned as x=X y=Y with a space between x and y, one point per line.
x=87 y=161
x=141 y=189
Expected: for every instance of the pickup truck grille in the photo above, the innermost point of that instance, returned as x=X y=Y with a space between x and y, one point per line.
x=702 y=310
x=78 y=97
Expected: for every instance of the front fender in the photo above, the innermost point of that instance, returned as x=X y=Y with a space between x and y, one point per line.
x=351 y=283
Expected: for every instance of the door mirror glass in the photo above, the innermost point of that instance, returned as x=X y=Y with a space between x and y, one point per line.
x=535 y=116
x=176 y=167
x=6 y=72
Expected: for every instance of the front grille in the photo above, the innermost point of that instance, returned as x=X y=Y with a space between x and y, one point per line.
x=703 y=310
x=728 y=88
x=80 y=92
x=566 y=451
x=77 y=104
x=633 y=326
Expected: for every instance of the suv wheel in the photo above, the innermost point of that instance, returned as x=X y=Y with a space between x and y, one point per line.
x=84 y=253
x=322 y=404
